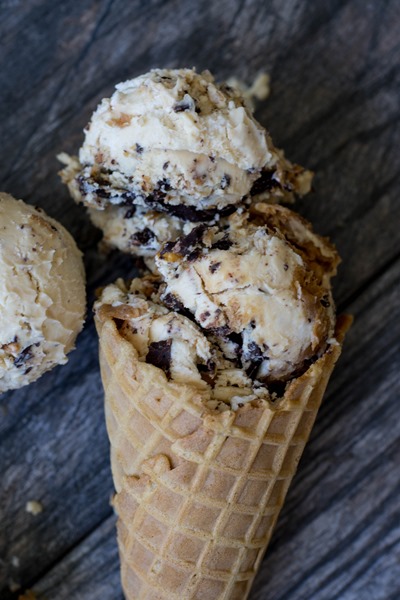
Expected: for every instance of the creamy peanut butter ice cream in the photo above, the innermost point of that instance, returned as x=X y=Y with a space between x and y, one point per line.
x=176 y=143
x=42 y=293
x=236 y=309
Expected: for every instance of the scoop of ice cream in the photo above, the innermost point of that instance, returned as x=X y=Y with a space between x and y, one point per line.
x=255 y=289
x=174 y=343
x=42 y=293
x=176 y=142
x=235 y=311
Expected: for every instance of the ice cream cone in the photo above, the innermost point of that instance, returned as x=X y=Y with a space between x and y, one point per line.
x=198 y=492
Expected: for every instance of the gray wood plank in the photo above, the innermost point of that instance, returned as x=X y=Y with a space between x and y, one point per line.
x=334 y=107
x=97 y=556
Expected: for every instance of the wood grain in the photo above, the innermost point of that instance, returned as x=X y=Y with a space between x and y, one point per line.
x=335 y=108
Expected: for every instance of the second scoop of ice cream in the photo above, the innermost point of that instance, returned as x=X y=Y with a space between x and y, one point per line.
x=254 y=291
x=234 y=312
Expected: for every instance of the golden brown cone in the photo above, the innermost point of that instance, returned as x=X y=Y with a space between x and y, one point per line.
x=198 y=492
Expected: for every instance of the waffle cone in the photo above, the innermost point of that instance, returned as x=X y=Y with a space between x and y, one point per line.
x=198 y=492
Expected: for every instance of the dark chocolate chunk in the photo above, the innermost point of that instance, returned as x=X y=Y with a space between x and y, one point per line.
x=204 y=316
x=221 y=332
x=173 y=303
x=181 y=106
x=277 y=387
x=225 y=181
x=102 y=193
x=163 y=185
x=118 y=323
x=142 y=238
x=99 y=186
x=186 y=104
x=194 y=255
x=223 y=244
x=128 y=198
x=165 y=165
x=207 y=372
x=130 y=212
x=25 y=355
x=253 y=352
x=159 y=355
x=285 y=266
x=264 y=183
x=192 y=239
x=251 y=371
x=139 y=148
x=236 y=338
x=157 y=198
x=186 y=246
x=325 y=302
x=188 y=213
x=157 y=201
x=168 y=247
x=214 y=267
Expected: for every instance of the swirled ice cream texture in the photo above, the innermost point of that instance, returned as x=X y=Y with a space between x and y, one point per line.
x=42 y=293
x=176 y=142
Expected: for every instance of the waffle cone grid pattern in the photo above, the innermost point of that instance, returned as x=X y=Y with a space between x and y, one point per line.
x=198 y=492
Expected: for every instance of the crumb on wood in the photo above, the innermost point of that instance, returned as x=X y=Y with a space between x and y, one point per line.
x=34 y=507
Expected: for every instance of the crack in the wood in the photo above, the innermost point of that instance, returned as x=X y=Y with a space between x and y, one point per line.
x=340 y=105
x=44 y=572
x=357 y=559
x=363 y=136
x=236 y=14
x=60 y=89
x=369 y=282
x=353 y=534
x=311 y=26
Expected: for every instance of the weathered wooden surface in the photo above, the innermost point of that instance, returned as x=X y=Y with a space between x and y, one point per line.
x=335 y=108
